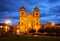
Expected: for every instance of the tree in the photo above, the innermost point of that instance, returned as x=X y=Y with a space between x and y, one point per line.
x=50 y=31
x=57 y=31
x=41 y=30
x=32 y=31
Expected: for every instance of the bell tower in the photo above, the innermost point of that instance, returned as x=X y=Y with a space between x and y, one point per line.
x=22 y=12
x=22 y=19
x=36 y=14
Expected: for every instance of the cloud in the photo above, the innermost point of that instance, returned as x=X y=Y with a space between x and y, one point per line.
x=49 y=9
x=10 y=15
x=53 y=1
x=14 y=21
x=55 y=10
x=9 y=5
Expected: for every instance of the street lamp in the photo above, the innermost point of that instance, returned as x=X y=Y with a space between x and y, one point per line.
x=8 y=21
x=53 y=23
x=18 y=32
x=1 y=26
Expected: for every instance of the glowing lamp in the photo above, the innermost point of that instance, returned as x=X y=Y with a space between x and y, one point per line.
x=6 y=27
x=53 y=24
x=1 y=26
x=29 y=25
x=18 y=32
x=8 y=21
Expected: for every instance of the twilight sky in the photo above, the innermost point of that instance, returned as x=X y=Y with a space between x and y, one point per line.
x=49 y=10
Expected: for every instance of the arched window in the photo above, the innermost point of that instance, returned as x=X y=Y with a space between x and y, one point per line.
x=22 y=22
x=22 y=18
x=37 y=23
x=36 y=13
x=22 y=13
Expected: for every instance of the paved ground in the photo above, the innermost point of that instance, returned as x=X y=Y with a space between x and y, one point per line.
x=29 y=38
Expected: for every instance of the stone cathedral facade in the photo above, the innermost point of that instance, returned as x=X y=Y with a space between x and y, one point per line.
x=28 y=21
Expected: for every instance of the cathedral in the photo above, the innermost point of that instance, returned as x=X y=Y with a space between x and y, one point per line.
x=28 y=21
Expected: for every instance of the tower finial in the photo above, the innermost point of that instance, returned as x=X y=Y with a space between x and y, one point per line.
x=22 y=7
x=36 y=8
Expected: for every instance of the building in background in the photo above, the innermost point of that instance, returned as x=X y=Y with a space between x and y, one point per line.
x=16 y=29
x=4 y=28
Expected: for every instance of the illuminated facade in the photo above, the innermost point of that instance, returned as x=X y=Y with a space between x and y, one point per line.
x=29 y=21
x=4 y=28
x=16 y=29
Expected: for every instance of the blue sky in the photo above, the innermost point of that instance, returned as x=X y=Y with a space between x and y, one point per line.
x=49 y=10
